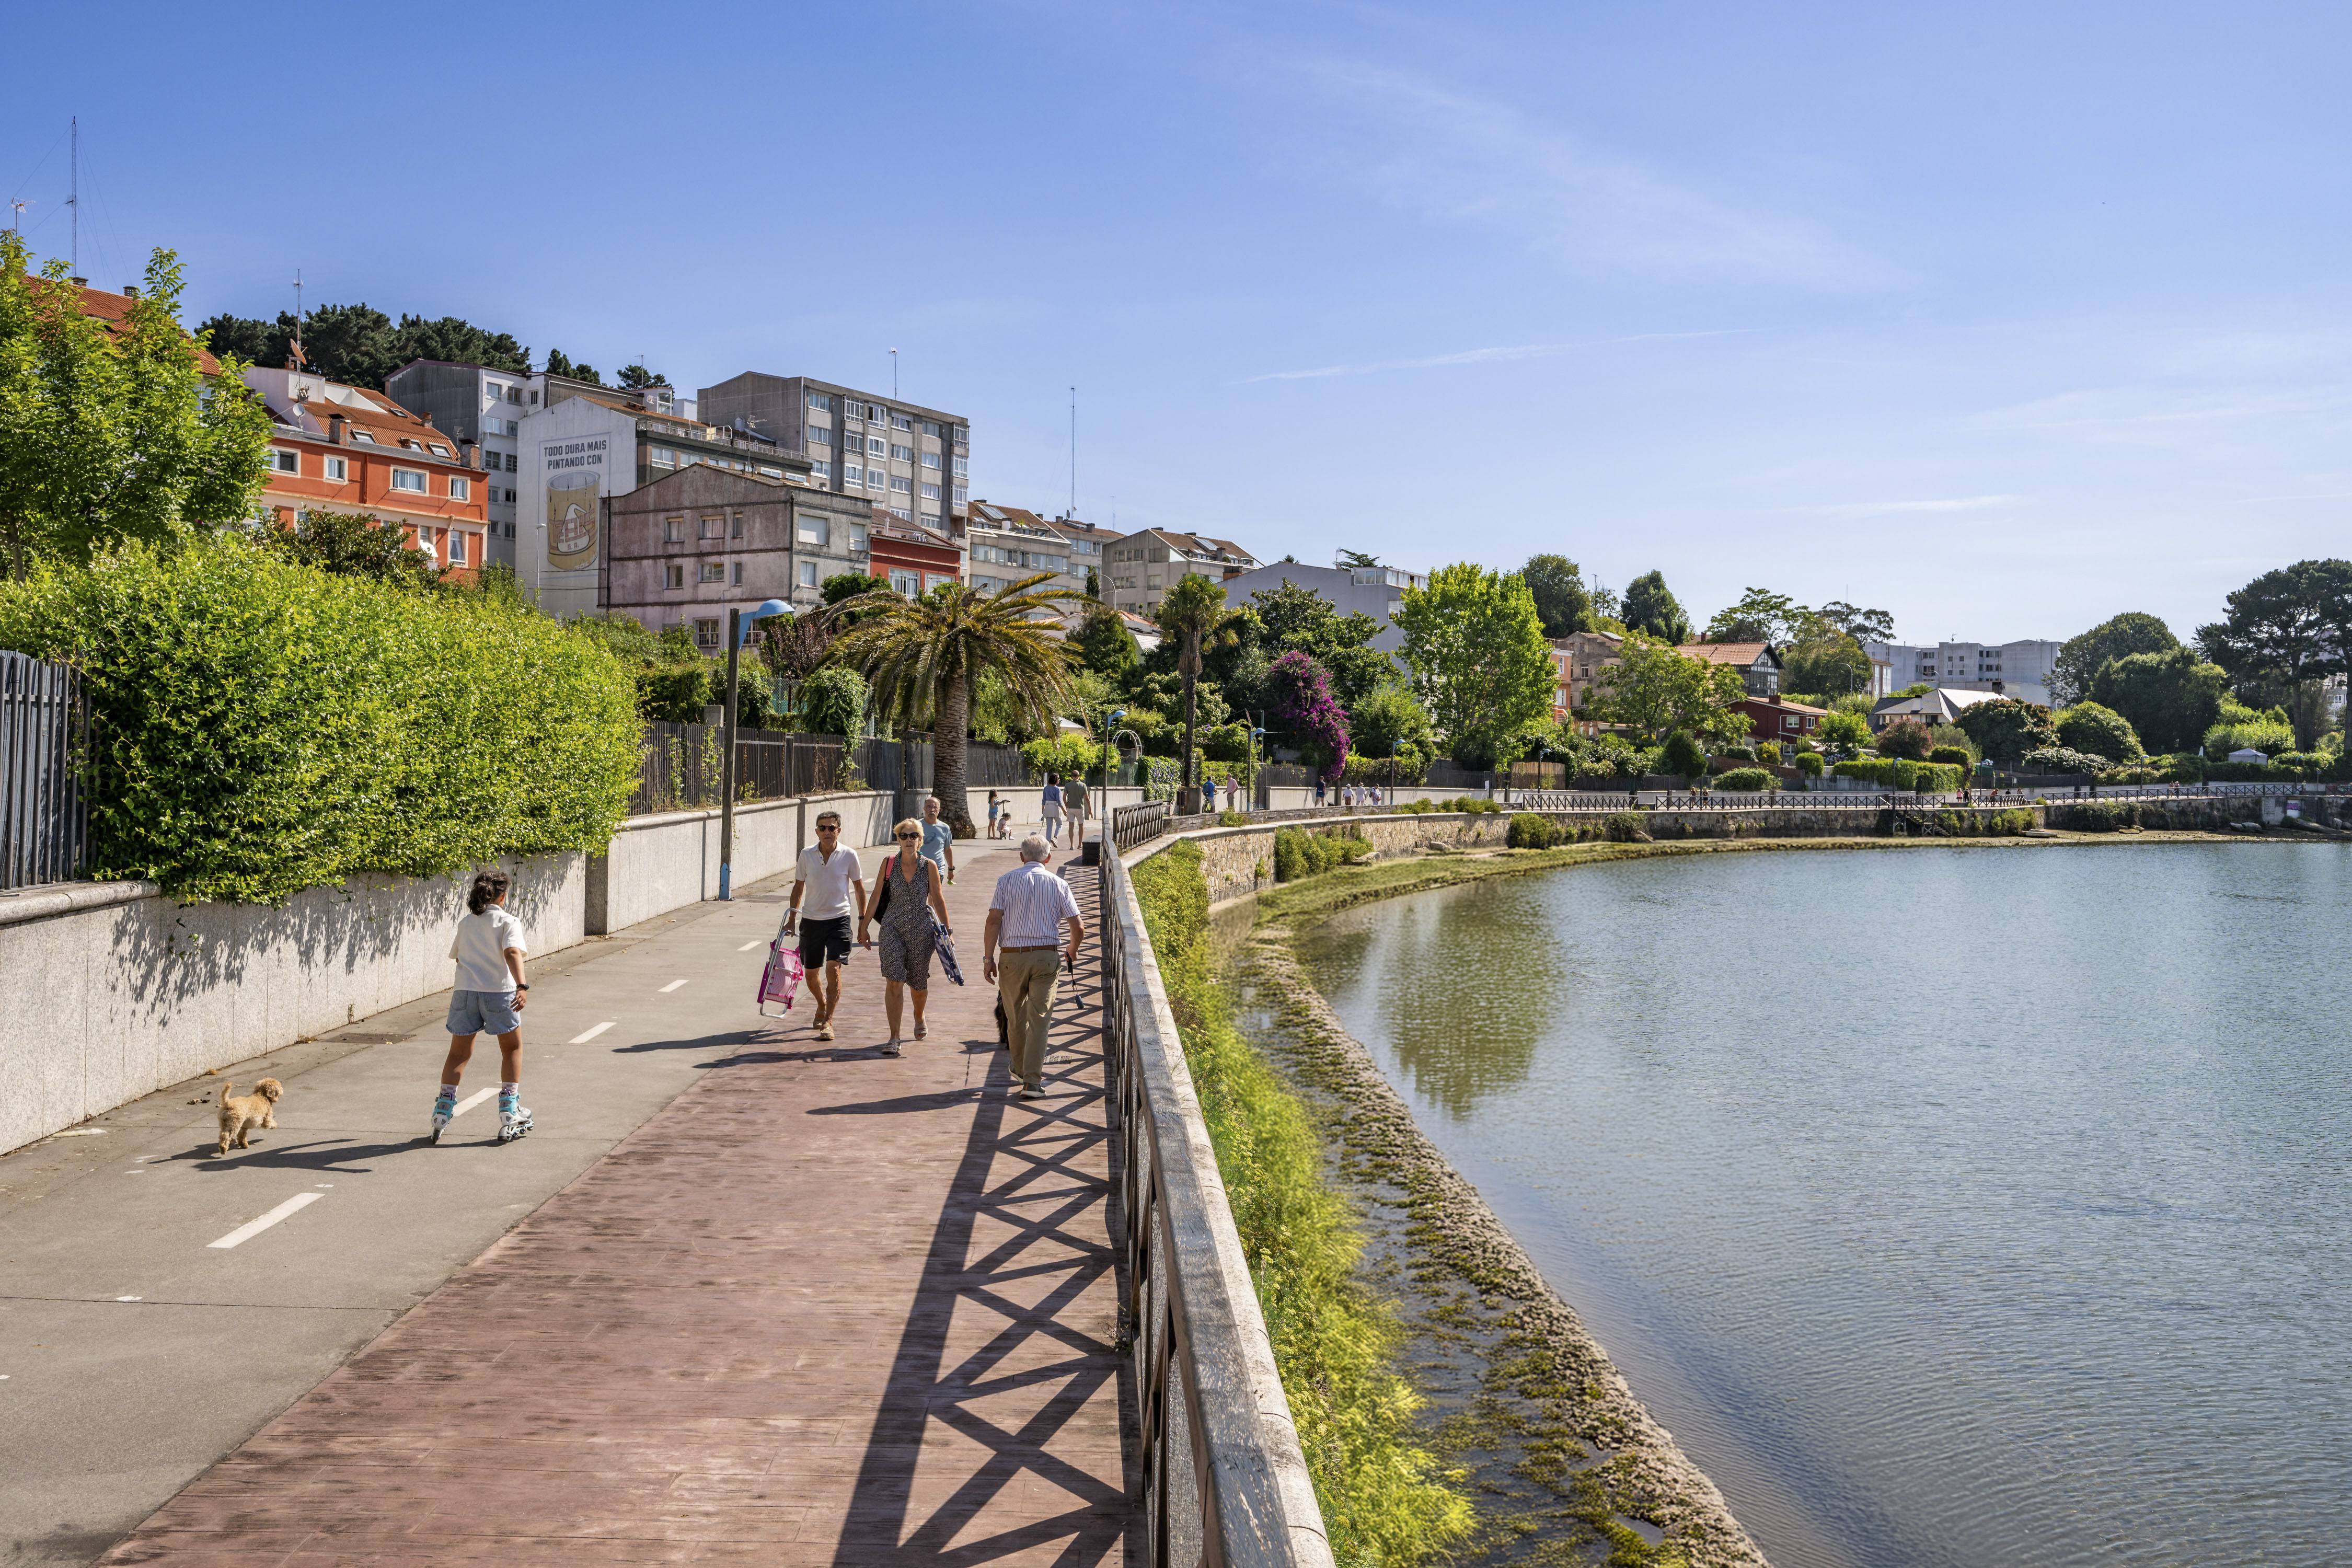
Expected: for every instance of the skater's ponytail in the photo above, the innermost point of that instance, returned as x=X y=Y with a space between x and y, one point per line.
x=488 y=887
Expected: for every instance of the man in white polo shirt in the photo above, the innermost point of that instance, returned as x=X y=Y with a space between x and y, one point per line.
x=826 y=878
x=1028 y=916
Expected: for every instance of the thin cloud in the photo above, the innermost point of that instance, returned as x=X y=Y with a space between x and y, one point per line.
x=1477 y=356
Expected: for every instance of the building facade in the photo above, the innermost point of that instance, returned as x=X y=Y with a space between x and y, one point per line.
x=1142 y=566
x=913 y=559
x=487 y=408
x=345 y=448
x=1758 y=666
x=1775 y=717
x=2020 y=670
x=914 y=462
x=1003 y=544
x=1577 y=660
x=1374 y=590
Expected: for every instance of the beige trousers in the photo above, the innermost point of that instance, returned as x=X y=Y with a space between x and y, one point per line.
x=1025 y=982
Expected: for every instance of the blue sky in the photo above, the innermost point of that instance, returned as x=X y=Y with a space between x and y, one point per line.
x=2004 y=318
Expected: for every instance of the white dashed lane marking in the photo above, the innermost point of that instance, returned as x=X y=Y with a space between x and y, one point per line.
x=672 y=987
x=582 y=1039
x=472 y=1101
x=749 y=946
x=253 y=1227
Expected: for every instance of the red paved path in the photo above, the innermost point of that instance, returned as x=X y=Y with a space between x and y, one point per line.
x=827 y=1307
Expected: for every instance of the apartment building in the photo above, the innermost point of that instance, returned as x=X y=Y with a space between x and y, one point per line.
x=1758 y=666
x=2020 y=669
x=683 y=548
x=1003 y=544
x=914 y=462
x=1142 y=566
x=1374 y=590
x=1577 y=660
x=486 y=406
x=911 y=558
x=346 y=448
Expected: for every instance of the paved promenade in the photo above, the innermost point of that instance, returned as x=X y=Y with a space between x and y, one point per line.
x=823 y=1307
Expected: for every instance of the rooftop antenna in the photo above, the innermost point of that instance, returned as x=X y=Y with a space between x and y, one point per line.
x=1074 y=451
x=299 y=357
x=894 y=375
x=73 y=198
x=20 y=206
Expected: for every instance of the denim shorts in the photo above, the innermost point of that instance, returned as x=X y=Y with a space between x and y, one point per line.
x=482 y=1012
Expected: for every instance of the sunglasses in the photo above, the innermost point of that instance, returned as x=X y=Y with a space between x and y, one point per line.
x=826 y=828
x=910 y=835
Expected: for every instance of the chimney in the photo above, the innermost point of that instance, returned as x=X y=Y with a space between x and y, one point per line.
x=130 y=290
x=79 y=282
x=472 y=452
x=336 y=425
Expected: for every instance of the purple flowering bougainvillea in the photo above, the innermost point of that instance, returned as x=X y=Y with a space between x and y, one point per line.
x=1302 y=703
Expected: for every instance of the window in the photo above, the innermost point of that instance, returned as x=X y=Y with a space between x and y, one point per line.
x=711 y=572
x=408 y=480
x=514 y=394
x=282 y=461
x=963 y=467
x=494 y=391
x=735 y=526
x=962 y=494
x=820 y=435
x=713 y=527
x=900 y=483
x=461 y=490
x=930 y=493
x=852 y=476
x=821 y=401
x=876 y=447
x=738 y=574
x=457 y=550
x=929 y=427
x=930 y=460
x=660 y=457
x=902 y=513
x=339 y=470
x=933 y=579
x=857 y=539
x=905 y=584
x=901 y=454
x=901 y=422
x=874 y=479
x=362 y=436
x=705 y=632
x=510 y=468
x=812 y=528
x=931 y=519
x=808 y=573
x=771 y=473
x=439 y=450
x=674 y=530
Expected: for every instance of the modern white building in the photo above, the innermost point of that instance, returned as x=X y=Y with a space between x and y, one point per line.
x=1374 y=590
x=2020 y=670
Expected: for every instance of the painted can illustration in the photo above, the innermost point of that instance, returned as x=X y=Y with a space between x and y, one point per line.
x=572 y=521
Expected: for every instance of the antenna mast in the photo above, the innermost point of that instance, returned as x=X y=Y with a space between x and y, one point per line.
x=73 y=198
x=300 y=358
x=1074 y=452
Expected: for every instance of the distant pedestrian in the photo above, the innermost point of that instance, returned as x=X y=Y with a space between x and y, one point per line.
x=1074 y=799
x=1050 y=805
x=1028 y=915
x=939 y=840
x=490 y=994
x=828 y=879
x=907 y=896
x=995 y=815
x=1319 y=792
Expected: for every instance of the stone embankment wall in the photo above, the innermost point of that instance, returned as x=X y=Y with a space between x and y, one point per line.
x=2204 y=813
x=1231 y=857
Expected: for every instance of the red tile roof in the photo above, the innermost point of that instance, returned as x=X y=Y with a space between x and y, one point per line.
x=109 y=309
x=1742 y=653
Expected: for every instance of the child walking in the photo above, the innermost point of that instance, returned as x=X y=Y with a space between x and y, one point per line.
x=491 y=994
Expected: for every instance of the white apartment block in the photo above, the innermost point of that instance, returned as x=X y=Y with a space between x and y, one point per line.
x=475 y=403
x=1374 y=590
x=2020 y=670
x=1142 y=566
x=912 y=461
x=1003 y=544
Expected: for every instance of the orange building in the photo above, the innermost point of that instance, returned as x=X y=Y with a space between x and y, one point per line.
x=346 y=448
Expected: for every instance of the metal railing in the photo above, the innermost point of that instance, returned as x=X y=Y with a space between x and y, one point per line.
x=44 y=813
x=1224 y=1481
x=1134 y=824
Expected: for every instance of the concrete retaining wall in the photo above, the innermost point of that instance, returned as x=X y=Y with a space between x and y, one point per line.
x=670 y=859
x=109 y=990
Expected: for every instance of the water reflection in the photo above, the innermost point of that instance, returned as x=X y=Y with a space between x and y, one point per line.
x=1963 y=1206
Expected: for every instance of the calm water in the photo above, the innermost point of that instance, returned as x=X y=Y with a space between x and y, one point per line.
x=1971 y=1206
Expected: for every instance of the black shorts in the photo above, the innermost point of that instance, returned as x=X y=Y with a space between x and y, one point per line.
x=824 y=941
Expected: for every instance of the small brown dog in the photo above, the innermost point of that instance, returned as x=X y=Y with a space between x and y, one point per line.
x=239 y=1117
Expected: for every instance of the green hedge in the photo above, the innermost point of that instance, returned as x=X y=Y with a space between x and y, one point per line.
x=1739 y=779
x=262 y=727
x=1902 y=774
x=1299 y=853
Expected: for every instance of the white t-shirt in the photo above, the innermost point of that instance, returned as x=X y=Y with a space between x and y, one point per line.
x=828 y=896
x=480 y=949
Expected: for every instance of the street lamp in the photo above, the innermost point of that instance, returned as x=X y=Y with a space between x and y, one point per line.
x=738 y=626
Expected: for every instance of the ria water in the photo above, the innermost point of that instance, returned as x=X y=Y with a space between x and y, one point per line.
x=1950 y=1206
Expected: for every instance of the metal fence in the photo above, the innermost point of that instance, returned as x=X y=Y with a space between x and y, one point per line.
x=1225 y=1481
x=44 y=737
x=679 y=766
x=1134 y=824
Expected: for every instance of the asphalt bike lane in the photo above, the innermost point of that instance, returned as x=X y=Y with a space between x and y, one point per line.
x=159 y=1302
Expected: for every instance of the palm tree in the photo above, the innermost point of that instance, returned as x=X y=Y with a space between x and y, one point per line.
x=1194 y=614
x=923 y=653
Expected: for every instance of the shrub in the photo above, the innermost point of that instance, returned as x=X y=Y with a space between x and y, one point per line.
x=1810 y=764
x=1737 y=753
x=1871 y=768
x=2005 y=728
x=1956 y=755
x=1624 y=827
x=2265 y=733
x=1769 y=752
x=1906 y=738
x=1803 y=748
x=832 y=702
x=2062 y=759
x=1748 y=779
x=1683 y=757
x=1532 y=831
x=263 y=726
x=1956 y=739
x=1297 y=852
x=2100 y=732
x=1845 y=729
x=1067 y=752
x=1233 y=819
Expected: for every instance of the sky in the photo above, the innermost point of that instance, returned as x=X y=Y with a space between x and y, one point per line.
x=2003 y=318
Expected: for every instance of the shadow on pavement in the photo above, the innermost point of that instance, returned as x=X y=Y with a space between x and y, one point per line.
x=325 y=1154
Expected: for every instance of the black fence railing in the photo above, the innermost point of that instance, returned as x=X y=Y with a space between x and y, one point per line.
x=1224 y=1480
x=44 y=735
x=1134 y=824
x=679 y=766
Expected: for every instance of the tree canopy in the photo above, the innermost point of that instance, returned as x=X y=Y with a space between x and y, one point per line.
x=1825 y=658
x=2286 y=632
x=1760 y=615
x=1475 y=646
x=1561 y=600
x=1652 y=609
x=1863 y=625
x=558 y=364
x=1294 y=619
x=2078 y=662
x=1654 y=690
x=360 y=346
x=2100 y=731
x=2169 y=699
x=2006 y=728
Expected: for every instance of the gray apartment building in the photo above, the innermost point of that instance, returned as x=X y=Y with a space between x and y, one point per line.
x=475 y=403
x=2020 y=669
x=914 y=462
x=1374 y=590
x=1142 y=566
x=1005 y=543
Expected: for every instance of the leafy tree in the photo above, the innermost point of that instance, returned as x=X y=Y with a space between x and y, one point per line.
x=458 y=341
x=1906 y=737
x=1357 y=561
x=557 y=364
x=1844 y=728
x=109 y=437
x=1759 y=617
x=1292 y=618
x=1652 y=609
x=923 y=653
x=636 y=378
x=1863 y=625
x=354 y=344
x=1389 y=723
x=248 y=339
x=360 y=346
x=1094 y=583
x=1561 y=600
x=832 y=702
x=2005 y=728
x=1105 y=644
x=356 y=544
x=1825 y=658
x=1300 y=702
x=2277 y=642
x=2078 y=662
x=1654 y=690
x=1684 y=757
x=847 y=586
x=1194 y=614
x=2092 y=727
x=1475 y=646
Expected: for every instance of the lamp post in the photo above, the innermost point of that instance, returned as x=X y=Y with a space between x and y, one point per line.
x=1254 y=735
x=1102 y=805
x=738 y=626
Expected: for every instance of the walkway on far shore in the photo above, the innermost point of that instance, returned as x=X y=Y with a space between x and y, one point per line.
x=826 y=1306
